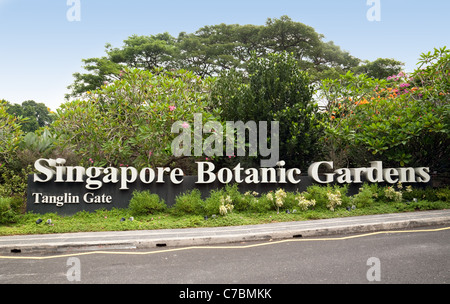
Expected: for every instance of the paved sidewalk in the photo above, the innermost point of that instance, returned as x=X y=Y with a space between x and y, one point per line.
x=86 y=241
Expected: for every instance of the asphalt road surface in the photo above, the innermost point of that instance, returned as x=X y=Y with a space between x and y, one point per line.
x=419 y=256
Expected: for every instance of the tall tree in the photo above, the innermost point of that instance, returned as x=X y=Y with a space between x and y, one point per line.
x=36 y=115
x=380 y=68
x=214 y=48
x=144 y=52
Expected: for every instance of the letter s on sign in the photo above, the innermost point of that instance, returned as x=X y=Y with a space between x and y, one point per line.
x=423 y=174
x=42 y=165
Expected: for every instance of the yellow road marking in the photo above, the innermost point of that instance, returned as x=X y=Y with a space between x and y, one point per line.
x=221 y=247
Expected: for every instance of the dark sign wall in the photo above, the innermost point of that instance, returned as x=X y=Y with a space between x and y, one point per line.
x=71 y=197
x=55 y=193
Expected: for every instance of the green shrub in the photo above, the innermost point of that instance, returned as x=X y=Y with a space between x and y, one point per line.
x=236 y=197
x=328 y=197
x=7 y=212
x=189 y=203
x=291 y=202
x=133 y=113
x=274 y=88
x=144 y=202
x=252 y=201
x=366 y=196
x=243 y=202
x=428 y=194
x=303 y=203
x=13 y=183
x=443 y=194
x=222 y=201
x=213 y=202
x=260 y=205
x=278 y=198
x=377 y=191
x=317 y=193
x=286 y=200
x=425 y=205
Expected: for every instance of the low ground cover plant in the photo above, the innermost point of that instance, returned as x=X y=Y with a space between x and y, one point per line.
x=227 y=206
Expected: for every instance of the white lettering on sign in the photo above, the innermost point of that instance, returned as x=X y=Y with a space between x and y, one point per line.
x=58 y=200
x=218 y=140
x=375 y=174
x=322 y=172
x=90 y=198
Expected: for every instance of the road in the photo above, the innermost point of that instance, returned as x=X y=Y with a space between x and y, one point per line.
x=413 y=256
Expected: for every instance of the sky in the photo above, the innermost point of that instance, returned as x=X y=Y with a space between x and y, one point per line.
x=41 y=46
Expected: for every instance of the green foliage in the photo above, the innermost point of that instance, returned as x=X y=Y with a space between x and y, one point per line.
x=128 y=122
x=290 y=201
x=404 y=119
x=235 y=195
x=275 y=89
x=36 y=115
x=7 y=215
x=428 y=194
x=393 y=195
x=443 y=194
x=215 y=48
x=367 y=195
x=221 y=201
x=41 y=142
x=252 y=201
x=260 y=210
x=190 y=202
x=433 y=74
x=13 y=183
x=381 y=68
x=144 y=202
x=10 y=133
x=260 y=204
x=142 y=52
x=328 y=197
x=10 y=208
x=213 y=202
x=303 y=203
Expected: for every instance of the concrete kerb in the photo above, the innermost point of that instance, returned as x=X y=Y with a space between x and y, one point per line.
x=83 y=242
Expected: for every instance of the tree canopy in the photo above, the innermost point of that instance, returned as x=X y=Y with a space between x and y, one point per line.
x=214 y=48
x=36 y=115
x=274 y=89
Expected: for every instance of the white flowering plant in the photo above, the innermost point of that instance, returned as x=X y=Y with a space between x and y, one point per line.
x=304 y=203
x=334 y=199
x=278 y=198
x=226 y=205
x=393 y=195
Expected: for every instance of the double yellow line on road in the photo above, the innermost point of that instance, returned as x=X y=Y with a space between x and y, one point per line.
x=220 y=247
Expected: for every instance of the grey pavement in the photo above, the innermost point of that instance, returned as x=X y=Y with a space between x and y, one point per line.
x=141 y=239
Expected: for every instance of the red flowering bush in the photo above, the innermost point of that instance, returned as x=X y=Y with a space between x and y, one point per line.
x=404 y=119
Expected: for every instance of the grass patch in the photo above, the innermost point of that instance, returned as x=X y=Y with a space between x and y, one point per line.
x=228 y=207
x=120 y=219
